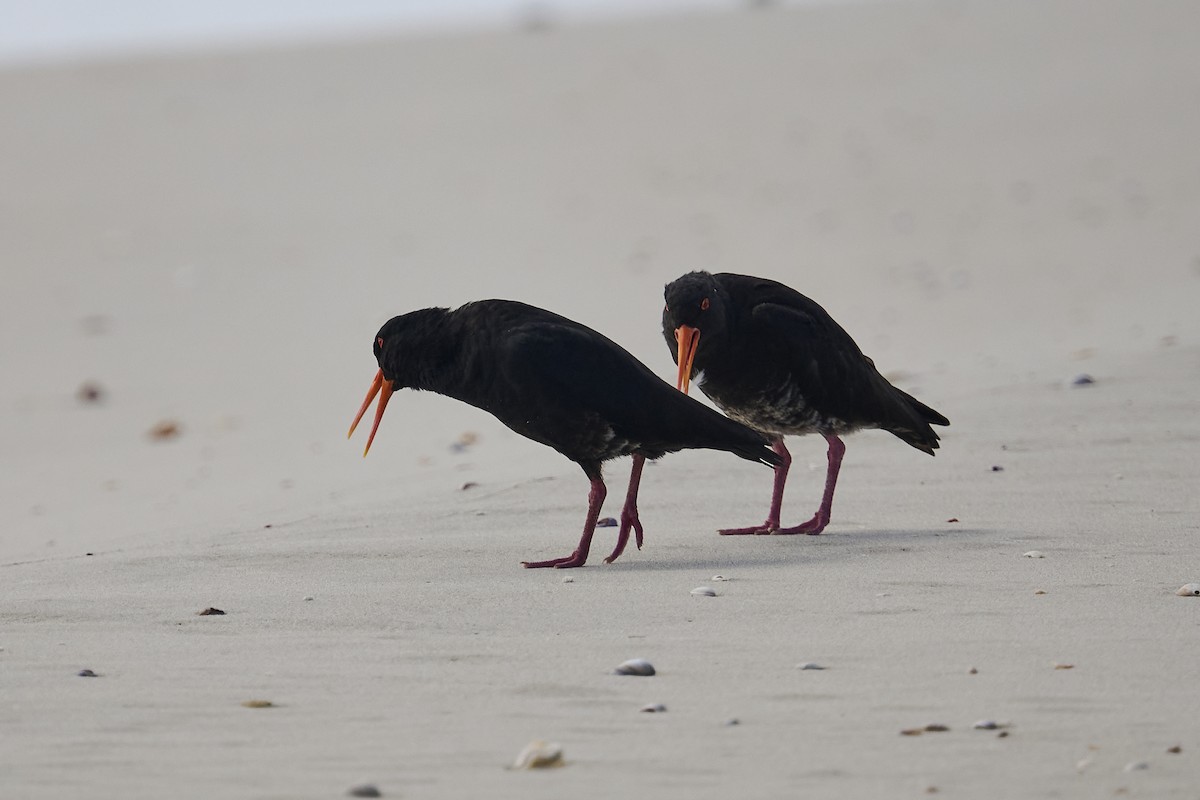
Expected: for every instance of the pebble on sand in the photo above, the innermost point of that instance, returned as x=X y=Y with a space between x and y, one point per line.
x=718 y=578
x=1175 y=749
x=210 y=612
x=704 y=591
x=1063 y=666
x=809 y=665
x=1083 y=379
x=653 y=708
x=258 y=704
x=90 y=392
x=365 y=790
x=989 y=725
x=606 y=522
x=635 y=666
x=539 y=754
x=167 y=429
x=87 y=673
x=1189 y=590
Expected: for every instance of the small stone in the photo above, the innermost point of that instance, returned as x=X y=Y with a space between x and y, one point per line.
x=809 y=665
x=258 y=704
x=90 y=392
x=1002 y=735
x=1040 y=591
x=935 y=728
x=1134 y=766
x=1176 y=749
x=539 y=754
x=606 y=522
x=87 y=673
x=997 y=468
x=308 y=598
x=468 y=485
x=635 y=666
x=1063 y=666
x=912 y=731
x=366 y=790
x=1083 y=379
x=704 y=591
x=210 y=612
x=952 y=519
x=568 y=579
x=1034 y=554
x=972 y=671
x=167 y=429
x=653 y=708
x=1189 y=590
x=729 y=723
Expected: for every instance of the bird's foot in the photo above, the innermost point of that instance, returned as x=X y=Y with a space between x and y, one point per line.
x=566 y=562
x=629 y=521
x=765 y=529
x=811 y=528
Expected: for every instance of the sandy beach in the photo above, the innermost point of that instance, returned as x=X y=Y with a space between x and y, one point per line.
x=994 y=198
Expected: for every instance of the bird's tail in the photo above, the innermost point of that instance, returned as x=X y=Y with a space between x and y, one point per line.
x=914 y=423
x=723 y=433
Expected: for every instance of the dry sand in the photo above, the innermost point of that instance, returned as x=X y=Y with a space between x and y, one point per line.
x=992 y=197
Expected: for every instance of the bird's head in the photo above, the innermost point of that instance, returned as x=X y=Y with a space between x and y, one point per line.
x=403 y=348
x=695 y=309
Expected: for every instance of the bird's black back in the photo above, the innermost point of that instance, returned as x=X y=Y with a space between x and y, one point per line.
x=779 y=362
x=555 y=381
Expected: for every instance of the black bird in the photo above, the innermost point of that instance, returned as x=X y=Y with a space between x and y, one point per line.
x=559 y=383
x=773 y=359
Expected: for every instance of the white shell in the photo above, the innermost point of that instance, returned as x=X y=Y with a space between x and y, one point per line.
x=1133 y=766
x=718 y=578
x=1189 y=590
x=635 y=666
x=704 y=591
x=653 y=708
x=1035 y=554
x=568 y=579
x=809 y=665
x=539 y=754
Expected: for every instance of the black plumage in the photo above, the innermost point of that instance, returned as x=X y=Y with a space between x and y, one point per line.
x=773 y=359
x=557 y=382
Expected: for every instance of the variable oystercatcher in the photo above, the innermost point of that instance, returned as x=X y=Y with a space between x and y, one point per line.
x=559 y=383
x=775 y=360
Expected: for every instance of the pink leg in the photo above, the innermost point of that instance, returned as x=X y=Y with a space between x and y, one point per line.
x=821 y=518
x=772 y=523
x=577 y=559
x=629 y=513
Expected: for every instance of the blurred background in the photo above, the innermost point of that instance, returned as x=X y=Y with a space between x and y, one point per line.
x=207 y=210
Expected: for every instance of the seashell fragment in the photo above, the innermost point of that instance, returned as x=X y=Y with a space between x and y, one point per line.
x=606 y=522
x=989 y=725
x=87 y=673
x=539 y=754
x=1189 y=590
x=1034 y=554
x=365 y=790
x=1063 y=666
x=912 y=731
x=1134 y=766
x=635 y=666
x=568 y=579
x=258 y=704
x=729 y=723
x=718 y=578
x=210 y=612
x=972 y=671
x=704 y=591
x=935 y=728
x=653 y=708
x=1176 y=749
x=809 y=665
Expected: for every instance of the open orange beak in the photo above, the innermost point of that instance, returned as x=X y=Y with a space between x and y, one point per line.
x=376 y=385
x=687 y=338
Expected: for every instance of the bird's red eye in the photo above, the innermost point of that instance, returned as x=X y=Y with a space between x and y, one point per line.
x=379 y=342
x=704 y=304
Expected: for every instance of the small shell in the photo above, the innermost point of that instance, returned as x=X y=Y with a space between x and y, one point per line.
x=653 y=708
x=606 y=522
x=912 y=731
x=539 y=754
x=989 y=725
x=1176 y=749
x=729 y=723
x=718 y=578
x=1034 y=554
x=1189 y=590
x=635 y=666
x=704 y=591
x=809 y=665
x=935 y=728
x=1083 y=379
x=1134 y=766
x=1040 y=591
x=1063 y=666
x=258 y=704
x=210 y=612
x=87 y=673
x=365 y=790
x=972 y=671
x=568 y=579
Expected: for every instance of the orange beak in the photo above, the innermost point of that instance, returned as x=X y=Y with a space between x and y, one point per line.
x=376 y=385
x=687 y=338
